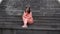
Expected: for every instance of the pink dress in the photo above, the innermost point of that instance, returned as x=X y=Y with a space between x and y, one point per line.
x=28 y=18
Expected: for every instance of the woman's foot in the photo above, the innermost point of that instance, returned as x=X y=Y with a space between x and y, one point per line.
x=24 y=26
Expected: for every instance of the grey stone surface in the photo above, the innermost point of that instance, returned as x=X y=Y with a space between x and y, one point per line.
x=31 y=32
x=42 y=21
x=6 y=32
x=54 y=32
x=46 y=14
x=45 y=7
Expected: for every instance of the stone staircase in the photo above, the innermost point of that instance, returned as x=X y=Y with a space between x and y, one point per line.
x=40 y=22
x=46 y=14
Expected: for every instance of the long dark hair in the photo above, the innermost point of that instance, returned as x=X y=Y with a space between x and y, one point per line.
x=28 y=10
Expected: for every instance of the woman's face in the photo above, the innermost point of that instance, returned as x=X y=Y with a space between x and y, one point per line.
x=27 y=9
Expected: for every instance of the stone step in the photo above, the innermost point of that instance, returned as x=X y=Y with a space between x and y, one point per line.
x=43 y=17
x=34 y=13
x=44 y=27
x=35 y=23
x=8 y=16
x=15 y=12
x=57 y=14
x=41 y=20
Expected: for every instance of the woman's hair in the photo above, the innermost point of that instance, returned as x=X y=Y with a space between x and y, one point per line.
x=28 y=11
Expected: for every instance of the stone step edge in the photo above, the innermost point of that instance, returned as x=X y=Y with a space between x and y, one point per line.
x=29 y=28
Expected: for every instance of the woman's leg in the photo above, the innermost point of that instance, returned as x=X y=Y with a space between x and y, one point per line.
x=30 y=21
x=25 y=23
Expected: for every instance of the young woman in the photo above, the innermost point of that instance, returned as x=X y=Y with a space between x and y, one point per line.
x=27 y=17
